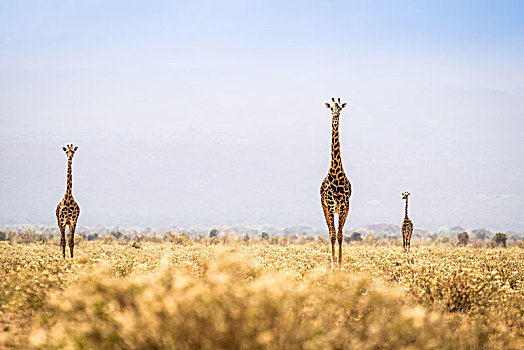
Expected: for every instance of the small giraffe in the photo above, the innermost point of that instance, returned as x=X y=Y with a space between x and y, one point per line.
x=407 y=226
x=336 y=188
x=67 y=211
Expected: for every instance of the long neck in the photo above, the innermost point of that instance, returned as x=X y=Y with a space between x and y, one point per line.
x=406 y=211
x=69 y=187
x=336 y=159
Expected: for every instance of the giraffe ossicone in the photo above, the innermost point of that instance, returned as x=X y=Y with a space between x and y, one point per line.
x=336 y=188
x=67 y=211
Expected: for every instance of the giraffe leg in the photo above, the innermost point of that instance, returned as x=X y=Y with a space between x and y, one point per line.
x=343 y=213
x=62 y=228
x=72 y=227
x=333 y=239
x=330 y=220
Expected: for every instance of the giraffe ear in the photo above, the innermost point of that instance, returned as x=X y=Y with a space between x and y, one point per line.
x=65 y=149
x=328 y=106
x=343 y=105
x=76 y=148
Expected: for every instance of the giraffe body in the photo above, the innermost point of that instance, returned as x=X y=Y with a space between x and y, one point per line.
x=335 y=189
x=67 y=211
x=407 y=226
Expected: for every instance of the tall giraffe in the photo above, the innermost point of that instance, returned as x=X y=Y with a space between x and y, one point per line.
x=336 y=188
x=407 y=226
x=67 y=211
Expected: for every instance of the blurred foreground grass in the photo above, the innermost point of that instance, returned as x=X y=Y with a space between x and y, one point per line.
x=249 y=296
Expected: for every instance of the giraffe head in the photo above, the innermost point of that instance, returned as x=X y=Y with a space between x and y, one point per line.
x=336 y=107
x=70 y=150
x=405 y=195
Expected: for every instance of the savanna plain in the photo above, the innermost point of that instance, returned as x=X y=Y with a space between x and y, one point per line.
x=258 y=294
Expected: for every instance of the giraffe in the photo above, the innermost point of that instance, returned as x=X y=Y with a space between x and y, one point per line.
x=407 y=226
x=67 y=211
x=336 y=188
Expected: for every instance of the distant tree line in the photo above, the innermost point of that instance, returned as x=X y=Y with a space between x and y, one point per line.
x=454 y=236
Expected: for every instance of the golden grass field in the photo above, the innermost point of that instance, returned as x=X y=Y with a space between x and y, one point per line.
x=197 y=295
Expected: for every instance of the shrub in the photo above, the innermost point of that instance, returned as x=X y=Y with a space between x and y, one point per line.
x=234 y=306
x=260 y=296
x=463 y=238
x=273 y=240
x=182 y=239
x=481 y=233
x=78 y=239
x=116 y=233
x=500 y=238
x=356 y=237
x=154 y=239
x=28 y=236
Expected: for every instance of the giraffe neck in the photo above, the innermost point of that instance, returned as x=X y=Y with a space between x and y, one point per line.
x=69 y=187
x=336 y=159
x=406 y=211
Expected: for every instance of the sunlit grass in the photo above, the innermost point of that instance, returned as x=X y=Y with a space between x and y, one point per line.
x=259 y=295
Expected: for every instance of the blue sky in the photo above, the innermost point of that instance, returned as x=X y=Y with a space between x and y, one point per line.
x=212 y=112
x=381 y=26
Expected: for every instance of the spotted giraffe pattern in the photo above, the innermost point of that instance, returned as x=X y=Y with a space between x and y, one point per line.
x=67 y=211
x=336 y=188
x=407 y=226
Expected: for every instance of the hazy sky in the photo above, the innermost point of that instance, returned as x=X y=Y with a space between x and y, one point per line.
x=212 y=112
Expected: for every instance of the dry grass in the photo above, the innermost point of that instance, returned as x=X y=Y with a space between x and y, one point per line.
x=244 y=296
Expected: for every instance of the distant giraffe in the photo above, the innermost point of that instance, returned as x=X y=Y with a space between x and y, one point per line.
x=67 y=211
x=407 y=226
x=336 y=188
